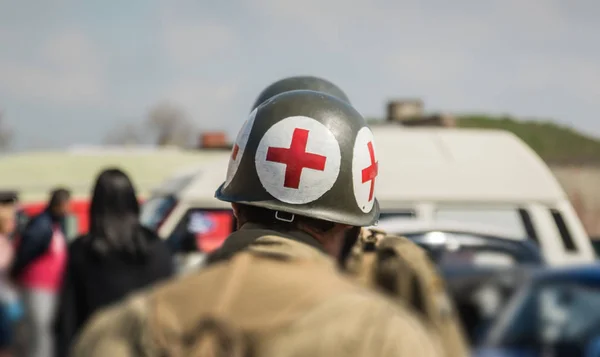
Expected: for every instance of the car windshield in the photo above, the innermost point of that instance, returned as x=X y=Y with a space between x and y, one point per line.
x=506 y=219
x=556 y=313
x=450 y=248
x=155 y=210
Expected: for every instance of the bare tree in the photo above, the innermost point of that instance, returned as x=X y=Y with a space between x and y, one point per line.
x=126 y=134
x=6 y=135
x=169 y=125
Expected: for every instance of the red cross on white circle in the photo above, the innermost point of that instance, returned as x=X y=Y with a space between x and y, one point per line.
x=365 y=169
x=238 y=148
x=370 y=173
x=234 y=153
x=298 y=160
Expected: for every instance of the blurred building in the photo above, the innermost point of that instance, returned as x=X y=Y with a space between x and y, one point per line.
x=410 y=112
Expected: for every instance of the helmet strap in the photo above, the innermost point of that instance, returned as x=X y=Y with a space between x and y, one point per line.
x=287 y=217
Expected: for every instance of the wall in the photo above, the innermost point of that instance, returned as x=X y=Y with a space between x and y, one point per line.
x=582 y=184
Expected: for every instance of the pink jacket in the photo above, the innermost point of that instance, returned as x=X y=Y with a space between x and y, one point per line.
x=47 y=271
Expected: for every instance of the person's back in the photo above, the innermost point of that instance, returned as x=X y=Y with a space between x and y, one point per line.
x=103 y=280
x=278 y=298
x=117 y=257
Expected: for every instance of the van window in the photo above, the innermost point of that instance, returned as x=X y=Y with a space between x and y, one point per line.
x=202 y=230
x=565 y=235
x=407 y=214
x=528 y=224
x=155 y=210
x=507 y=219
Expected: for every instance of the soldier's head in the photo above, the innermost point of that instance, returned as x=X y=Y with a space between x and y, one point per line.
x=304 y=160
x=300 y=83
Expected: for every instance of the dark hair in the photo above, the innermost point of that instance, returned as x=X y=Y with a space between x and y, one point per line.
x=114 y=216
x=59 y=196
x=267 y=217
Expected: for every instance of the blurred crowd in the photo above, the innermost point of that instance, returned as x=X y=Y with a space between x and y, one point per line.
x=49 y=288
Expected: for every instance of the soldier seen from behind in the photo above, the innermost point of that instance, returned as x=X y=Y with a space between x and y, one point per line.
x=116 y=257
x=296 y=186
x=394 y=265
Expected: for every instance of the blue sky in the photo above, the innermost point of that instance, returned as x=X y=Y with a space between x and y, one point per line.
x=71 y=71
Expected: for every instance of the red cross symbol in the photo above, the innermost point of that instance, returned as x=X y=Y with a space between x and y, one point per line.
x=296 y=158
x=236 y=149
x=369 y=173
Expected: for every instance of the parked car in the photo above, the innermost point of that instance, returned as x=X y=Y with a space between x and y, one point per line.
x=482 y=266
x=557 y=314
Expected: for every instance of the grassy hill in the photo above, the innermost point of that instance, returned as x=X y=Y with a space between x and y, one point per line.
x=554 y=143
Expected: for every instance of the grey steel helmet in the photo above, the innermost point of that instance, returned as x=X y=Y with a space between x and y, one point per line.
x=306 y=153
x=300 y=83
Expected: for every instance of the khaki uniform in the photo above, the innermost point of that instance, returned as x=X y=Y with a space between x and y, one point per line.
x=278 y=298
x=404 y=272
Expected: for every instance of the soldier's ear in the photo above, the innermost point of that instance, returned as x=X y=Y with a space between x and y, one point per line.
x=236 y=210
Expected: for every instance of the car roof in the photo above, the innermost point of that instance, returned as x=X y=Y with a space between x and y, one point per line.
x=583 y=273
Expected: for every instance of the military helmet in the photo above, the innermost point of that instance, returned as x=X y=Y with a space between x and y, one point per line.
x=300 y=83
x=305 y=153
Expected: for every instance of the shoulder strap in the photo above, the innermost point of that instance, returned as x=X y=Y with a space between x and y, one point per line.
x=403 y=270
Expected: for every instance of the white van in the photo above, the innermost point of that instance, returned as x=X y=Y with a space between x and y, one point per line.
x=426 y=174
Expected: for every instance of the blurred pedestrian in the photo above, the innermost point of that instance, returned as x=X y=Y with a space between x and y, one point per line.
x=8 y=299
x=40 y=259
x=116 y=257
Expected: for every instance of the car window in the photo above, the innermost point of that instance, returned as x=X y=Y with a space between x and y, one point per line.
x=450 y=248
x=155 y=210
x=552 y=313
x=406 y=213
x=507 y=219
x=203 y=230
x=567 y=312
x=565 y=233
x=516 y=324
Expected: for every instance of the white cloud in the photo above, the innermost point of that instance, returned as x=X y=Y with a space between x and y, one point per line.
x=67 y=71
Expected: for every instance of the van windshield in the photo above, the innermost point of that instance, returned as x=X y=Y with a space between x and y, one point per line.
x=155 y=210
x=506 y=219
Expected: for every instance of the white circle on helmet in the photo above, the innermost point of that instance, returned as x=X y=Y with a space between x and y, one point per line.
x=298 y=160
x=238 y=148
x=365 y=169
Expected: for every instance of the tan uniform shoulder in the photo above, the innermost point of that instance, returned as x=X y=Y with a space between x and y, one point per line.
x=312 y=303
x=357 y=324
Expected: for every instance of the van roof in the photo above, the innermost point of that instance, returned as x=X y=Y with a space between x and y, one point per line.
x=437 y=164
x=33 y=174
x=458 y=164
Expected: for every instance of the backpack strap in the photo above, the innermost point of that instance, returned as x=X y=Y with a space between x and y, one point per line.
x=402 y=270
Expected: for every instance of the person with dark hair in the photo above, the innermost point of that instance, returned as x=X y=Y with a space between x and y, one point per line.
x=40 y=259
x=116 y=257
